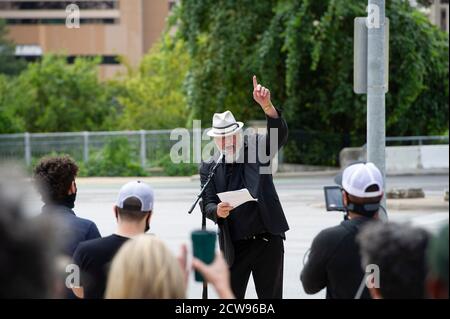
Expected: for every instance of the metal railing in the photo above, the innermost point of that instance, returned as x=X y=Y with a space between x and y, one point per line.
x=419 y=139
x=416 y=140
x=147 y=146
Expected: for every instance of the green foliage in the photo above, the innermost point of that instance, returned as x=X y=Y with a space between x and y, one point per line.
x=177 y=169
x=303 y=51
x=9 y=65
x=115 y=159
x=153 y=96
x=53 y=96
x=8 y=122
x=425 y=3
x=320 y=148
x=223 y=39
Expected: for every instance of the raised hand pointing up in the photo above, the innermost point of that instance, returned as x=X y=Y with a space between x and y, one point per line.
x=261 y=95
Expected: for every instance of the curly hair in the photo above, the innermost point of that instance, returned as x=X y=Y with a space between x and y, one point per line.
x=54 y=176
x=399 y=250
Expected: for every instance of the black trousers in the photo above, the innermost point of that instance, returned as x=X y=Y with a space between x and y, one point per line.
x=264 y=259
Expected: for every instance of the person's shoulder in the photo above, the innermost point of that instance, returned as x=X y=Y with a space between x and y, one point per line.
x=92 y=246
x=206 y=165
x=208 y=162
x=89 y=250
x=332 y=234
x=88 y=224
x=84 y=221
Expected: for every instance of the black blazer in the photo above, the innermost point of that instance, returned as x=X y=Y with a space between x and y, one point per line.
x=259 y=185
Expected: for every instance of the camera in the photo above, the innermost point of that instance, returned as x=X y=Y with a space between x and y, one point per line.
x=333 y=199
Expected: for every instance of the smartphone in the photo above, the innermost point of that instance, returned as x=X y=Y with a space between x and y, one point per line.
x=333 y=198
x=204 y=246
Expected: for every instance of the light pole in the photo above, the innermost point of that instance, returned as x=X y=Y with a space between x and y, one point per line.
x=371 y=77
x=376 y=85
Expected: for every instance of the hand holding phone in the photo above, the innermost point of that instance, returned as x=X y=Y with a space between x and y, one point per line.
x=204 y=246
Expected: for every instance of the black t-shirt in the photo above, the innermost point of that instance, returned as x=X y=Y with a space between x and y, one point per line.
x=94 y=259
x=244 y=220
x=334 y=262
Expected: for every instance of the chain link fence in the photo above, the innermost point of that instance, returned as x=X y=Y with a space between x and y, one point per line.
x=149 y=147
x=146 y=146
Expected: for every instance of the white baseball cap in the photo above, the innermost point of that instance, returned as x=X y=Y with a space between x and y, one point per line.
x=143 y=192
x=358 y=180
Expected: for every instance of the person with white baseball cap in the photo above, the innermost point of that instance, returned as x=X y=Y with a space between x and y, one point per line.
x=363 y=187
x=334 y=260
x=133 y=211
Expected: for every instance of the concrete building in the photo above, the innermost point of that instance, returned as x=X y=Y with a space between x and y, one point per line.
x=438 y=12
x=109 y=29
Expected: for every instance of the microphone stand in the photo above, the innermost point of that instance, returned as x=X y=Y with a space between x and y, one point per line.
x=202 y=208
x=210 y=177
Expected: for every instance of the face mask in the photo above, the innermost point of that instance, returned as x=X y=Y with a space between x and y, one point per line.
x=367 y=210
x=69 y=200
x=147 y=224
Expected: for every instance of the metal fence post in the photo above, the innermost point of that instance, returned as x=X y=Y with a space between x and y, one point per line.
x=85 y=147
x=27 y=148
x=281 y=156
x=143 y=148
x=197 y=142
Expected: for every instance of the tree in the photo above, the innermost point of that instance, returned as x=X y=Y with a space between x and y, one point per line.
x=223 y=40
x=9 y=65
x=303 y=51
x=8 y=122
x=154 y=95
x=54 y=96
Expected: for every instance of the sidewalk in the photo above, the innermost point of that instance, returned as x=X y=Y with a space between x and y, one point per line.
x=429 y=204
x=319 y=173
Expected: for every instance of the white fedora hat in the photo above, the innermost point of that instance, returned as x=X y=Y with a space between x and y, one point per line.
x=224 y=124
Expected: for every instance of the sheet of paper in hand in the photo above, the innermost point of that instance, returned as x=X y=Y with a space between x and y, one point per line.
x=236 y=198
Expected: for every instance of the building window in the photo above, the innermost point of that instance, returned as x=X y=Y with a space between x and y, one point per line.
x=172 y=4
x=59 y=21
x=33 y=56
x=57 y=5
x=54 y=12
x=444 y=18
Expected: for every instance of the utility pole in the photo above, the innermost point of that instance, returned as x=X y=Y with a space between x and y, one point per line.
x=376 y=85
x=371 y=77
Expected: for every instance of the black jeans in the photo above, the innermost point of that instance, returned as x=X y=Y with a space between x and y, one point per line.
x=263 y=257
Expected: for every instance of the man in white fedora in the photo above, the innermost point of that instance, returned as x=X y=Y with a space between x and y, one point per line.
x=251 y=236
x=228 y=135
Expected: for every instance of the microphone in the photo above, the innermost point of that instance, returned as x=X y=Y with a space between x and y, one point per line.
x=220 y=160
x=210 y=176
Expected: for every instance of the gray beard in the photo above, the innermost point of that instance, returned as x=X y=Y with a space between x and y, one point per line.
x=231 y=158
